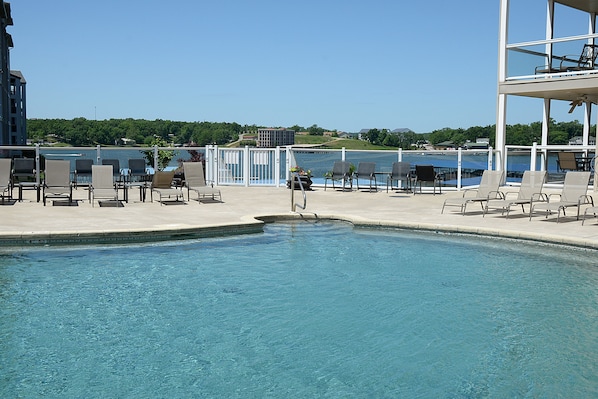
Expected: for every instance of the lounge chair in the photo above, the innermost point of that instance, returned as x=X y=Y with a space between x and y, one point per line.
x=102 y=184
x=195 y=181
x=488 y=189
x=57 y=180
x=5 y=179
x=24 y=176
x=426 y=173
x=367 y=171
x=82 y=171
x=574 y=193
x=340 y=172
x=401 y=171
x=162 y=185
x=530 y=192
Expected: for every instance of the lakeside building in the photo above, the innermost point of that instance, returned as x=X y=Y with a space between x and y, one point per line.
x=275 y=137
x=13 y=111
x=18 y=109
x=543 y=68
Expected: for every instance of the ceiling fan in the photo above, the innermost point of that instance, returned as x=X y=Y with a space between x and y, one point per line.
x=580 y=100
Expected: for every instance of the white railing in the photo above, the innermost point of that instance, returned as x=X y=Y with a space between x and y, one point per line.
x=271 y=166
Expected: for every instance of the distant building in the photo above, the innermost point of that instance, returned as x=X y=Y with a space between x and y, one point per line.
x=401 y=130
x=275 y=137
x=578 y=140
x=5 y=78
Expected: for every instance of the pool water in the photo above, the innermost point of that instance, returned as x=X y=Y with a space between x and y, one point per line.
x=302 y=311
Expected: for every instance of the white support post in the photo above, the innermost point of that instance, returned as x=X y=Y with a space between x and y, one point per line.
x=534 y=155
x=501 y=103
x=490 y=158
x=586 y=125
x=37 y=167
x=459 y=163
x=400 y=155
x=98 y=154
x=156 y=166
x=246 y=166
x=289 y=156
x=277 y=166
x=343 y=154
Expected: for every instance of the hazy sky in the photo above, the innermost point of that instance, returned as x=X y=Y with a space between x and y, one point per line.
x=340 y=64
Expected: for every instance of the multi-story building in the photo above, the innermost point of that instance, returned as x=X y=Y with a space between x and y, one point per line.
x=542 y=66
x=5 y=44
x=275 y=137
x=18 y=110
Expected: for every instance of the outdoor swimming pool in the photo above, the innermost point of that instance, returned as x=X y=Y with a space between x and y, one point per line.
x=304 y=310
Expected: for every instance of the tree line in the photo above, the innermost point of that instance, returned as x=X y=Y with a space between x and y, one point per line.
x=84 y=132
x=519 y=134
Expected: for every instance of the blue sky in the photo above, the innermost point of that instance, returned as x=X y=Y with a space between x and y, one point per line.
x=339 y=64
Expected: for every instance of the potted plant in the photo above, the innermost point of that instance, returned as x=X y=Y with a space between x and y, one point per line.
x=298 y=173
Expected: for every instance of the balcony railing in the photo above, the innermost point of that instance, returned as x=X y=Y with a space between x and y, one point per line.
x=531 y=60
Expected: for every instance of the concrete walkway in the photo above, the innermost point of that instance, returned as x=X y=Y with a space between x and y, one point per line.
x=244 y=209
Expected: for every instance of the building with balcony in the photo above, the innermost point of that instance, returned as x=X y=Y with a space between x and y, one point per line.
x=558 y=64
x=275 y=137
x=18 y=109
x=5 y=95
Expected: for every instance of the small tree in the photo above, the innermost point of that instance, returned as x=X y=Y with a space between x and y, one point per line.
x=164 y=156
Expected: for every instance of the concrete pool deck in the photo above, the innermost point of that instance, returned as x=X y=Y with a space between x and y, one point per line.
x=244 y=209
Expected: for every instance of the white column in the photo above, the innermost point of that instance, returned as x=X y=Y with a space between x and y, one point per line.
x=501 y=102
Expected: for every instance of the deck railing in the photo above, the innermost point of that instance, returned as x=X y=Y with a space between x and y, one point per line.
x=271 y=166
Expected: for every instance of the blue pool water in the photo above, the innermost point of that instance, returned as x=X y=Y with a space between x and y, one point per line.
x=301 y=311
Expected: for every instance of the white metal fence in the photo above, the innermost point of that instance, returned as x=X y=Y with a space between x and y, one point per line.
x=270 y=166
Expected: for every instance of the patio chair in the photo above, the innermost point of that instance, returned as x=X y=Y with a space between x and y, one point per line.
x=586 y=60
x=5 y=178
x=488 y=189
x=162 y=185
x=530 y=191
x=570 y=63
x=115 y=163
x=24 y=176
x=102 y=184
x=574 y=193
x=195 y=181
x=82 y=170
x=401 y=171
x=366 y=171
x=137 y=176
x=340 y=172
x=567 y=161
x=57 y=180
x=426 y=173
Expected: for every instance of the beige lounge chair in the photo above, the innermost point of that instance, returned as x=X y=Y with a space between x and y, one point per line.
x=530 y=192
x=5 y=178
x=574 y=193
x=162 y=185
x=488 y=189
x=102 y=184
x=195 y=181
x=57 y=180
